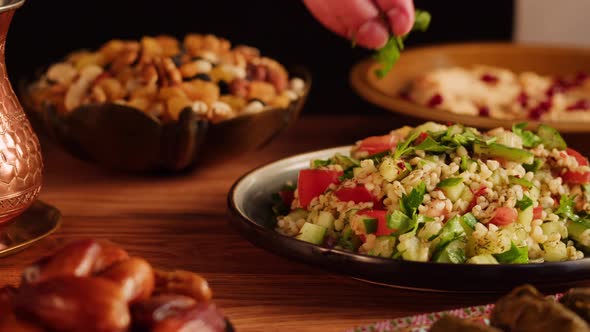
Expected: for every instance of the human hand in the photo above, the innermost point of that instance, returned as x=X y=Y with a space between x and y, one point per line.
x=368 y=22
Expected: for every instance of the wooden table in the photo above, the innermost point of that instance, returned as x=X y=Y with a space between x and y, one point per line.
x=181 y=222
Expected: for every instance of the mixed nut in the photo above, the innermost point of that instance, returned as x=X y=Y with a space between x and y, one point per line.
x=90 y=286
x=162 y=76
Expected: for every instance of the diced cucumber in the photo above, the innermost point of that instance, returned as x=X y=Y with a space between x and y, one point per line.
x=577 y=231
x=405 y=171
x=551 y=138
x=412 y=249
x=384 y=246
x=453 y=252
x=516 y=233
x=482 y=259
x=520 y=181
x=423 y=162
x=312 y=233
x=508 y=138
x=452 y=187
x=344 y=161
x=552 y=227
x=534 y=166
x=390 y=170
x=451 y=231
x=398 y=221
x=467 y=195
x=525 y=217
x=466 y=163
x=348 y=240
x=514 y=255
x=325 y=219
x=319 y=163
x=554 y=251
x=370 y=225
x=468 y=222
x=504 y=152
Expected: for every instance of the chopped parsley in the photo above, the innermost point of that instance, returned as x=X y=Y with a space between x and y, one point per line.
x=389 y=54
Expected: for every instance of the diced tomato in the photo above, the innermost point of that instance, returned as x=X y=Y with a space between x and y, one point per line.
x=358 y=194
x=287 y=196
x=476 y=194
x=380 y=215
x=504 y=216
x=377 y=144
x=572 y=177
x=582 y=161
x=421 y=138
x=313 y=182
x=538 y=212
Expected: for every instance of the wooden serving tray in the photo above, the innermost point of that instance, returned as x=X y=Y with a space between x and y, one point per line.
x=418 y=61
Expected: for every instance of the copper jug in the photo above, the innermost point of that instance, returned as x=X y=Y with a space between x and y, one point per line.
x=21 y=164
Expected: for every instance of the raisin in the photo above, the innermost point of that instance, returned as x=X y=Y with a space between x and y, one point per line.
x=489 y=78
x=436 y=100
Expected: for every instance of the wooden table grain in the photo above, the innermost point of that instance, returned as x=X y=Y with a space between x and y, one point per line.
x=181 y=221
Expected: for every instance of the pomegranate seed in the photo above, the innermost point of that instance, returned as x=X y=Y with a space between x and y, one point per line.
x=436 y=100
x=535 y=114
x=580 y=105
x=489 y=78
x=484 y=111
x=401 y=165
x=546 y=105
x=540 y=109
x=556 y=87
x=523 y=99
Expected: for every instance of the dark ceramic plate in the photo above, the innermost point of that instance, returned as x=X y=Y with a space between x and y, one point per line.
x=250 y=207
x=124 y=138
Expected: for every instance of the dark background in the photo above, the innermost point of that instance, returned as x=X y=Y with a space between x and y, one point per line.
x=43 y=31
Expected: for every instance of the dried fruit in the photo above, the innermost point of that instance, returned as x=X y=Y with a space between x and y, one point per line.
x=183 y=283
x=70 y=303
x=75 y=259
x=135 y=277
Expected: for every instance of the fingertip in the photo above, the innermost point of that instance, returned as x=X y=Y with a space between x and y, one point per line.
x=372 y=34
x=401 y=21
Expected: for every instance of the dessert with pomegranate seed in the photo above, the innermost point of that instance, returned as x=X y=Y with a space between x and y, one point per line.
x=503 y=94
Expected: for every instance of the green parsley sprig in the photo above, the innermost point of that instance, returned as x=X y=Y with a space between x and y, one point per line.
x=389 y=54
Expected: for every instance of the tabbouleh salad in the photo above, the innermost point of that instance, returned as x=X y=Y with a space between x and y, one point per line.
x=448 y=194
